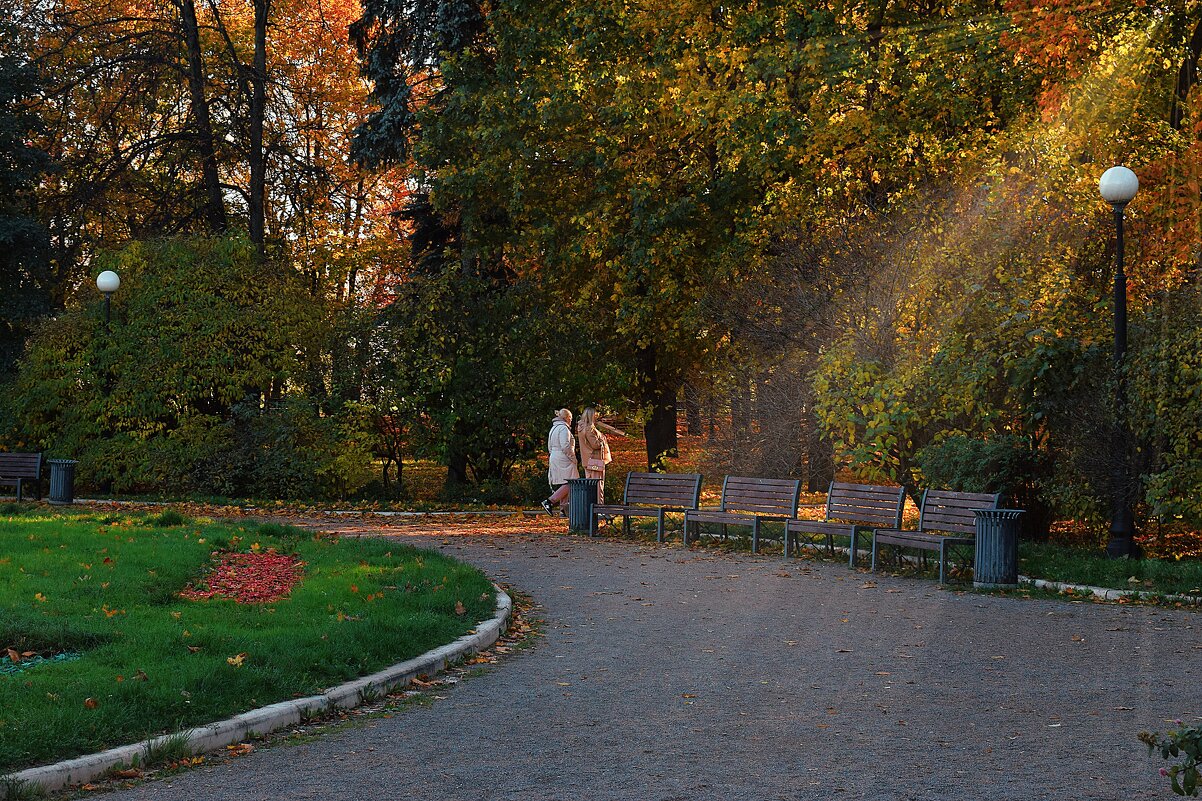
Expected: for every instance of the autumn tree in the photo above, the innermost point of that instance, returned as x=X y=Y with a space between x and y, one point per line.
x=24 y=267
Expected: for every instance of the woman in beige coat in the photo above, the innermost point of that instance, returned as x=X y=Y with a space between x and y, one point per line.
x=594 y=449
x=561 y=460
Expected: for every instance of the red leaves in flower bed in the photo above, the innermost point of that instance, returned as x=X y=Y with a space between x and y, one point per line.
x=249 y=578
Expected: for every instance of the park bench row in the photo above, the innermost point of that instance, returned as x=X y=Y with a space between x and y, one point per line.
x=946 y=521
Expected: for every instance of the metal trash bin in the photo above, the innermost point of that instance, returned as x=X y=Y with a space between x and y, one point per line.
x=62 y=481
x=996 y=565
x=582 y=494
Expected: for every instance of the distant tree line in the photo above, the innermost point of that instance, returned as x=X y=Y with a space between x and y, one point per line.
x=860 y=237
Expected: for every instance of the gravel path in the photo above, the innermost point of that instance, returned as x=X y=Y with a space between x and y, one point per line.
x=667 y=674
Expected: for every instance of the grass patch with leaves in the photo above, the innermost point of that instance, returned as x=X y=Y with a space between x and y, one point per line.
x=107 y=586
x=1091 y=567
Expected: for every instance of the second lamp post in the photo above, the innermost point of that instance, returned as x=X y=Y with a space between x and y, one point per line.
x=1118 y=187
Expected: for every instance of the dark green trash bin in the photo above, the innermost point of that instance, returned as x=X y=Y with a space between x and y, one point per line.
x=62 y=481
x=996 y=565
x=582 y=494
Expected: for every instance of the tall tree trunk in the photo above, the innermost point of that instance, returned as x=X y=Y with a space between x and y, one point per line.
x=740 y=414
x=1187 y=77
x=205 y=143
x=257 y=226
x=659 y=398
x=692 y=409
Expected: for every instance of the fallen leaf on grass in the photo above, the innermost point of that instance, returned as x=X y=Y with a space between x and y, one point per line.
x=91 y=703
x=236 y=661
x=460 y=609
x=239 y=749
x=126 y=773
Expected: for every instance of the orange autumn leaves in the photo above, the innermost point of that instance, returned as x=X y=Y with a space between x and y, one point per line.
x=248 y=578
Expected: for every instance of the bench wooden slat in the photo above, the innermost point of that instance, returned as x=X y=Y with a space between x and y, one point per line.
x=746 y=501
x=942 y=512
x=651 y=495
x=18 y=468
x=849 y=508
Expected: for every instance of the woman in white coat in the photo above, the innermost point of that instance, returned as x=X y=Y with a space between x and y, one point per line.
x=561 y=461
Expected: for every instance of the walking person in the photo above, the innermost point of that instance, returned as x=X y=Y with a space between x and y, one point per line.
x=561 y=460
x=594 y=447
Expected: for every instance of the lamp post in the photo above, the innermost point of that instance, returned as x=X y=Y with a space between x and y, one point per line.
x=107 y=282
x=1118 y=187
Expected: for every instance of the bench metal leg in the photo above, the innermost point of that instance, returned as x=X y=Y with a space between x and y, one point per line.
x=787 y=541
x=855 y=542
x=755 y=535
x=942 y=562
x=19 y=484
x=592 y=522
x=659 y=527
x=875 y=547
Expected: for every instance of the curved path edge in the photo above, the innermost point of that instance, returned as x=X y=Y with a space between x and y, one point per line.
x=1109 y=594
x=264 y=720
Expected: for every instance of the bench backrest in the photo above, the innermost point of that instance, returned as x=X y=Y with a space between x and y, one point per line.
x=865 y=504
x=682 y=490
x=20 y=465
x=765 y=496
x=944 y=510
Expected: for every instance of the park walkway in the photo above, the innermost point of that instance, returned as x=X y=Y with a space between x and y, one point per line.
x=671 y=674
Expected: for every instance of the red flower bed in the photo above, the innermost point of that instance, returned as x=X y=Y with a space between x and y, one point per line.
x=249 y=578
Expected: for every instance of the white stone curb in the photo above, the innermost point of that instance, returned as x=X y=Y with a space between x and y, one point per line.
x=264 y=720
x=1107 y=593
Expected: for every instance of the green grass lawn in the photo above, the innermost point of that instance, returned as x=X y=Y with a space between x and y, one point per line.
x=107 y=587
x=1054 y=562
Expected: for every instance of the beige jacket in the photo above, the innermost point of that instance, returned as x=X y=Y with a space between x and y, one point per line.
x=561 y=452
x=593 y=446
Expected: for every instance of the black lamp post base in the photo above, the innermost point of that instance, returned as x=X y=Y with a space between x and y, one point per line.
x=1123 y=546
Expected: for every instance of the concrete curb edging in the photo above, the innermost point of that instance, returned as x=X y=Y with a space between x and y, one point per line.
x=1107 y=593
x=264 y=720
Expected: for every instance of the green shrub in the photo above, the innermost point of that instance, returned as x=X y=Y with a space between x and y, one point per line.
x=1005 y=464
x=182 y=391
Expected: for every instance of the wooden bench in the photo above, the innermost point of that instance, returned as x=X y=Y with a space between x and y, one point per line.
x=849 y=508
x=747 y=502
x=944 y=518
x=651 y=495
x=17 y=469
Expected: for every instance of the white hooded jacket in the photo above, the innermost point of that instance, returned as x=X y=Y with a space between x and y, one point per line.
x=561 y=450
